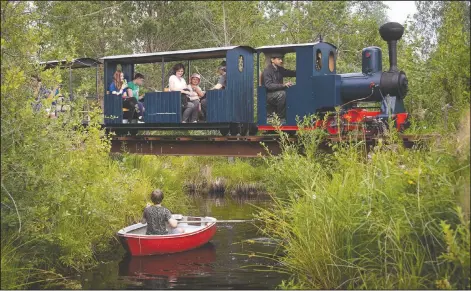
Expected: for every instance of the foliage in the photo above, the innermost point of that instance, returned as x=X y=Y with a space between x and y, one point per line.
x=59 y=187
x=171 y=173
x=373 y=220
x=457 y=253
x=437 y=63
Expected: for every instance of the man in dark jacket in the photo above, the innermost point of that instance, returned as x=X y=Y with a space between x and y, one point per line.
x=273 y=81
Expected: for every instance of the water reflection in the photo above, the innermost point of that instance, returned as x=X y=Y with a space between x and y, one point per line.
x=196 y=262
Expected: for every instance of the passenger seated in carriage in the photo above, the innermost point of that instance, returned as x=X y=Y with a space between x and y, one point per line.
x=119 y=88
x=222 y=78
x=119 y=84
x=177 y=83
x=57 y=101
x=133 y=92
x=196 y=93
x=157 y=217
x=41 y=93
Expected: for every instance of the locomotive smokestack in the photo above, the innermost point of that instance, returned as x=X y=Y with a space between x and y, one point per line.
x=391 y=32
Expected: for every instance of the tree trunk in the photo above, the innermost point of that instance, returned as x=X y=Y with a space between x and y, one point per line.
x=226 y=38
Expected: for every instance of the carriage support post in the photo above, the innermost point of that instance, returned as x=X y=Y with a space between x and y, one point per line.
x=163 y=73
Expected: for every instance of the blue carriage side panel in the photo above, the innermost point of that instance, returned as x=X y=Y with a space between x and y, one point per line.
x=113 y=112
x=109 y=69
x=240 y=67
x=162 y=107
x=299 y=98
x=261 y=105
x=217 y=106
x=324 y=81
x=235 y=103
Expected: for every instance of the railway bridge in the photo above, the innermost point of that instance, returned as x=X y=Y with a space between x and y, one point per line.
x=228 y=146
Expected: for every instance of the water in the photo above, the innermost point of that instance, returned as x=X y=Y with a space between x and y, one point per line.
x=230 y=261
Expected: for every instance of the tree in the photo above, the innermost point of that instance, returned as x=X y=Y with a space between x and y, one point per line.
x=228 y=23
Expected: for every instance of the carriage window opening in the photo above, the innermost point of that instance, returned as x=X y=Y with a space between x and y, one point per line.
x=331 y=61
x=241 y=63
x=318 y=60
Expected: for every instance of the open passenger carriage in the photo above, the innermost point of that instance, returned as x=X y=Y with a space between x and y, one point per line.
x=63 y=103
x=230 y=110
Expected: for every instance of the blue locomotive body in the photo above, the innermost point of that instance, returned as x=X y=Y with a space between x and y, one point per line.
x=319 y=89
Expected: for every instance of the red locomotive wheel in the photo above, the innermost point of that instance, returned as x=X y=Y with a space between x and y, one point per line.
x=332 y=125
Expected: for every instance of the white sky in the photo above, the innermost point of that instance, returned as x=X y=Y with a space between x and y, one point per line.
x=399 y=10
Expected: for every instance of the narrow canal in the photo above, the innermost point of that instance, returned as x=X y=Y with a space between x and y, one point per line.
x=238 y=257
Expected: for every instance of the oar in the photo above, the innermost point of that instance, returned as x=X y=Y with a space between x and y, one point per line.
x=224 y=221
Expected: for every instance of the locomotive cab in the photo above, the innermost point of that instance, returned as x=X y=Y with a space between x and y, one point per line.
x=315 y=86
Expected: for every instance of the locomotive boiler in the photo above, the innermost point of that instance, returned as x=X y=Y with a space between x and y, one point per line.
x=373 y=84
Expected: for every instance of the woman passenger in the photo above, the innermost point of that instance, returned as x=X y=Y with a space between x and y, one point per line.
x=178 y=83
x=118 y=87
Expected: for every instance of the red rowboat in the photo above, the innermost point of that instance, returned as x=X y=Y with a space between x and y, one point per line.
x=198 y=231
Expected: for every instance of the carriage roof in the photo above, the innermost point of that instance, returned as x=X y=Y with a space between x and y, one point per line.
x=74 y=64
x=181 y=55
x=286 y=48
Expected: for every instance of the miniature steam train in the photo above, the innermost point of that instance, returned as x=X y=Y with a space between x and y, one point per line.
x=318 y=90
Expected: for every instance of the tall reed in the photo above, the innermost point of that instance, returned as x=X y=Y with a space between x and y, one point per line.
x=367 y=220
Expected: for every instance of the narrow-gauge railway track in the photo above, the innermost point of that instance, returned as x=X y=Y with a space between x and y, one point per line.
x=230 y=146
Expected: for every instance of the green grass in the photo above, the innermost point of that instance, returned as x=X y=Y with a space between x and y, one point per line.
x=375 y=220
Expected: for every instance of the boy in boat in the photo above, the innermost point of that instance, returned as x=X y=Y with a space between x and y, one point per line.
x=158 y=216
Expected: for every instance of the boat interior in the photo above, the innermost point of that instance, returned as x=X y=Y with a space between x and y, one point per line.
x=192 y=225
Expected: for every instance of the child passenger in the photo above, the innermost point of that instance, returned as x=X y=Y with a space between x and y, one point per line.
x=158 y=216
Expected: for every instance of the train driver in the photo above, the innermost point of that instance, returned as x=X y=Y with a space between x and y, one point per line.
x=273 y=81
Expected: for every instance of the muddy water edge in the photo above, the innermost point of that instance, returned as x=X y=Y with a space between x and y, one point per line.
x=232 y=260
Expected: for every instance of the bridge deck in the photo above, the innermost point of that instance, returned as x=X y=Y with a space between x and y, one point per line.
x=229 y=146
